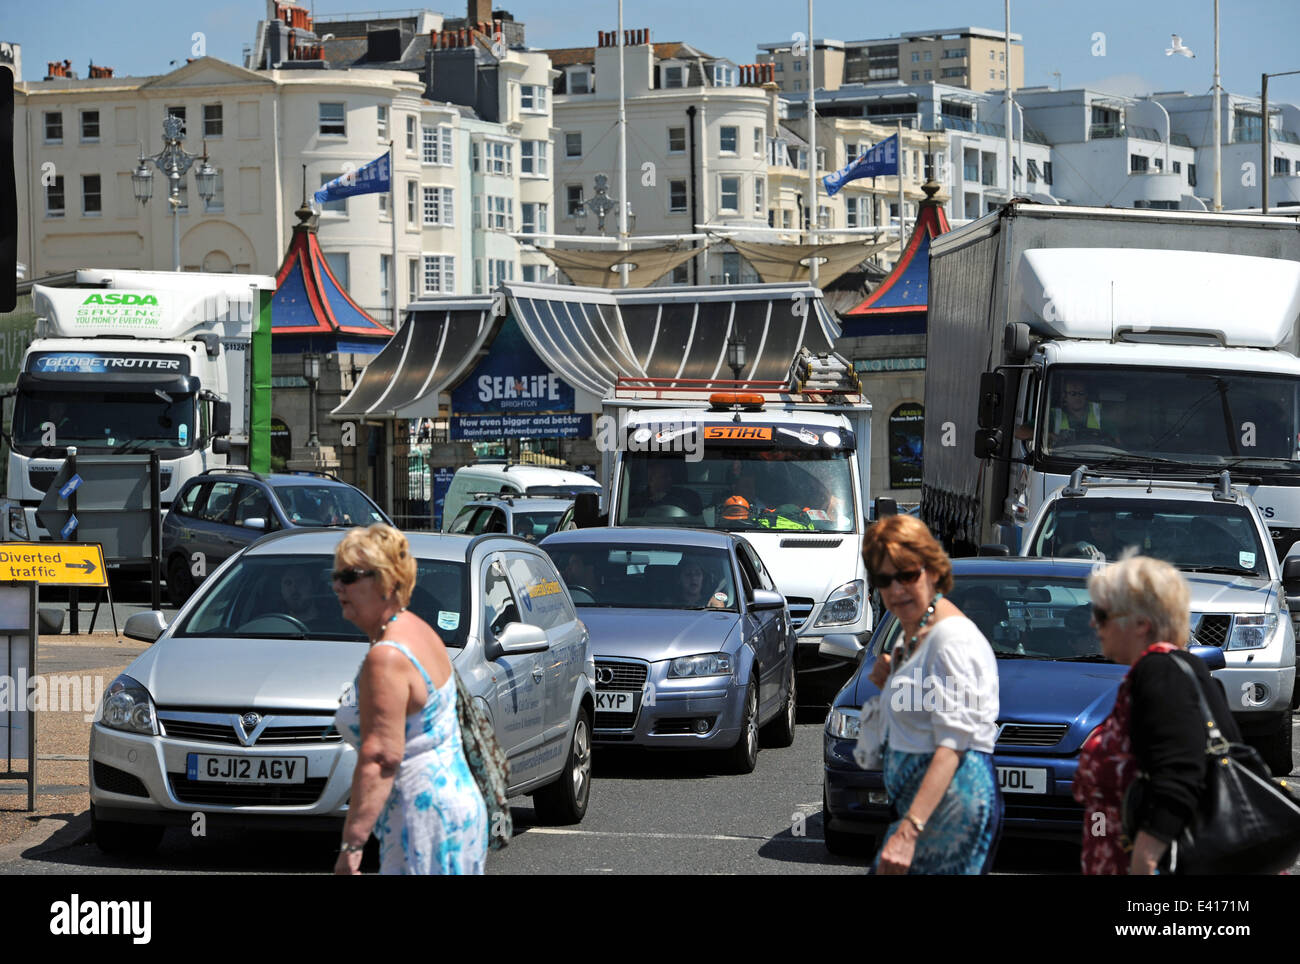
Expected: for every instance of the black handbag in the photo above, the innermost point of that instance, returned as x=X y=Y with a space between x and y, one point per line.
x=1244 y=822
x=487 y=763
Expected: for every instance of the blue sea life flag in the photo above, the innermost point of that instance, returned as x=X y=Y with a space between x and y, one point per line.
x=373 y=178
x=881 y=159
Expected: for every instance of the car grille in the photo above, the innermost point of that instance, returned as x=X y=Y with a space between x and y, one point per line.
x=1213 y=629
x=246 y=794
x=112 y=780
x=801 y=608
x=41 y=479
x=1032 y=734
x=282 y=728
x=626 y=676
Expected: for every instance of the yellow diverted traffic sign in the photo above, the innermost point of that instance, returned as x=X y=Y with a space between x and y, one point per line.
x=53 y=563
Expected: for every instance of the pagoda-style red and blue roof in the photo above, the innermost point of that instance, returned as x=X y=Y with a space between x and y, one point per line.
x=899 y=304
x=311 y=311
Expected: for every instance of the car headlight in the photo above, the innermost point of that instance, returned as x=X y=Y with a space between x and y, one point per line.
x=128 y=706
x=708 y=664
x=18 y=521
x=843 y=606
x=1252 y=632
x=843 y=722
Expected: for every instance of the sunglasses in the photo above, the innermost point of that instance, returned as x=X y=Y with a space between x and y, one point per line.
x=1100 y=616
x=883 y=579
x=349 y=576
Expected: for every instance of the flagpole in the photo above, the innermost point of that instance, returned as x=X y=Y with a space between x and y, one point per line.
x=812 y=150
x=622 y=153
x=1006 y=95
x=899 y=172
x=392 y=210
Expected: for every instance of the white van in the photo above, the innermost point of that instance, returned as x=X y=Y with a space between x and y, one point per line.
x=498 y=477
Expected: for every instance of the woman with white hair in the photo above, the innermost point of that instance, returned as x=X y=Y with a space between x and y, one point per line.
x=1140 y=613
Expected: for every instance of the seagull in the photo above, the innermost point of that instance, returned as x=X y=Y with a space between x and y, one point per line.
x=1178 y=47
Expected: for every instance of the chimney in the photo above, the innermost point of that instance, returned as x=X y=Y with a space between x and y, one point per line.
x=100 y=72
x=478 y=11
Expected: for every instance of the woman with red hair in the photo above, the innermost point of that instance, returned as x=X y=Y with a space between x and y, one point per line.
x=939 y=699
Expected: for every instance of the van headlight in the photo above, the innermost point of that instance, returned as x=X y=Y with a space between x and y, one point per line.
x=843 y=606
x=128 y=706
x=1252 y=632
x=18 y=522
x=843 y=722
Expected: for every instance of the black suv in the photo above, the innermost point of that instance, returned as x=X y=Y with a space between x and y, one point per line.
x=219 y=512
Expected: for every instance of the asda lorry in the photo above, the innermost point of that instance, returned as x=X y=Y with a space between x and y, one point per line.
x=788 y=467
x=132 y=362
x=1151 y=344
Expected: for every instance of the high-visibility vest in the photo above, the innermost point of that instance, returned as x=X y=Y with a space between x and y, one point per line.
x=1061 y=423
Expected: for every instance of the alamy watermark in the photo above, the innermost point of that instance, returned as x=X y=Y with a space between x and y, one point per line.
x=613 y=434
x=55 y=693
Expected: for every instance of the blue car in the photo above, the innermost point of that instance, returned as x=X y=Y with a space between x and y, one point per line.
x=1055 y=689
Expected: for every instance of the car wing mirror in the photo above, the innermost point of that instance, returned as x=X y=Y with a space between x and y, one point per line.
x=765 y=599
x=519 y=638
x=1212 y=655
x=146 y=626
x=840 y=646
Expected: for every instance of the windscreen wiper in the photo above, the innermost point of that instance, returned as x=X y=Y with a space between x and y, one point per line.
x=1090 y=658
x=1223 y=570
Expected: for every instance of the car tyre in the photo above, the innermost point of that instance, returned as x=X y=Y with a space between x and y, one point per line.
x=565 y=800
x=780 y=732
x=180 y=584
x=743 y=757
x=1273 y=742
x=843 y=844
x=125 y=839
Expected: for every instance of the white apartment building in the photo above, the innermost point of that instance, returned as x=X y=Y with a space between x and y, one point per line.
x=1111 y=150
x=697 y=134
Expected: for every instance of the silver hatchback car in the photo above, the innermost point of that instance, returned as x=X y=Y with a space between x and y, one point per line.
x=231 y=711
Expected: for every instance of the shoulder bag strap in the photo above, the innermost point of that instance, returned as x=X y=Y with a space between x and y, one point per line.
x=1214 y=741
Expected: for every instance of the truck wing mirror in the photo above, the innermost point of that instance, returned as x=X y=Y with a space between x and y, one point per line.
x=993 y=392
x=1291 y=572
x=988 y=444
x=221 y=418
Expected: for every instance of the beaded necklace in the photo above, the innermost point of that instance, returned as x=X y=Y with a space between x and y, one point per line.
x=388 y=622
x=925 y=618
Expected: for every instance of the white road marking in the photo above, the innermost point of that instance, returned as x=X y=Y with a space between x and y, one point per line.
x=562 y=831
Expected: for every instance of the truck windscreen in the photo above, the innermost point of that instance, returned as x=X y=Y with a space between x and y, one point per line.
x=1200 y=417
x=103 y=420
x=741 y=489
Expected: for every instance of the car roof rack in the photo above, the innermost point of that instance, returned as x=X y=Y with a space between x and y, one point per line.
x=1220 y=483
x=314 y=474
x=233 y=470
x=469 y=548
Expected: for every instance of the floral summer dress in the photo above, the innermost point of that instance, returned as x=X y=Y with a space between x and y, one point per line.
x=434 y=821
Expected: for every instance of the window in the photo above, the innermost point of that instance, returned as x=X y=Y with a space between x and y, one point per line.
x=385 y=286
x=532 y=158
x=954 y=53
x=1282 y=166
x=333 y=120
x=53 y=127
x=758 y=141
x=798 y=66
x=338 y=265
x=681 y=275
x=494 y=157
x=729 y=194
x=213 y=122
x=1160 y=163
x=573 y=144
x=438 y=206
x=729 y=138
x=1047 y=172
x=573 y=200
x=758 y=196
x=412 y=202
x=1137 y=163
x=532 y=98
x=929 y=75
x=383 y=205
x=534 y=219
x=803 y=159
x=410 y=133
x=529 y=272
x=798 y=85
x=1032 y=166
x=787 y=219
x=499 y=270
x=673 y=77
x=439 y=274
x=500 y=213
x=413 y=278
x=991 y=54
x=677 y=196
x=179 y=114
x=677 y=140
x=91 y=195
x=1178 y=167
x=724 y=76
x=916 y=75
x=1191 y=175
x=821 y=158
x=436 y=146
x=54 y=198
x=217 y=204
x=823 y=216
x=381 y=122
x=993 y=74
x=780 y=66
x=337 y=207
x=927 y=56
x=952 y=72
x=916 y=56
x=579 y=81
x=851 y=219
x=90 y=125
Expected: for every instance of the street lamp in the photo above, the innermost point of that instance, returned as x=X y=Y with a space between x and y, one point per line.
x=601 y=205
x=311 y=372
x=1265 y=161
x=174 y=162
x=736 y=356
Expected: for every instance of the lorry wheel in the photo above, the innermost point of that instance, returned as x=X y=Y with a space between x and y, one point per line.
x=125 y=839
x=565 y=800
x=180 y=584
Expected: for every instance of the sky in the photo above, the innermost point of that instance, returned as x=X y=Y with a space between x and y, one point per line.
x=1117 y=46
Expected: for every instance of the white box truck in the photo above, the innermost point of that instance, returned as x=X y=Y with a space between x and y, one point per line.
x=1141 y=343
x=140 y=361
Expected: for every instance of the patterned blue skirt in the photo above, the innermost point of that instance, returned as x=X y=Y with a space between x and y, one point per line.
x=961 y=836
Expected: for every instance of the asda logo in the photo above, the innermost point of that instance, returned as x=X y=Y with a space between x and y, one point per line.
x=119 y=298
